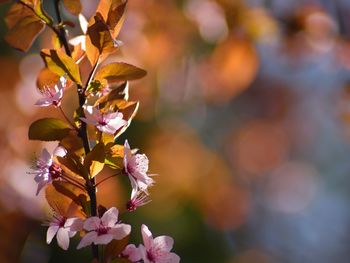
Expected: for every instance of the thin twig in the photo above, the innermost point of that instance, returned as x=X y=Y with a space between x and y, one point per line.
x=66 y=118
x=105 y=179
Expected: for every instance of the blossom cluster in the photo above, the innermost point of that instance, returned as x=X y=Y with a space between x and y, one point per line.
x=88 y=141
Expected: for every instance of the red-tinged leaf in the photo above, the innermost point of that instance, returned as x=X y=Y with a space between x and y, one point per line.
x=73 y=6
x=66 y=199
x=46 y=78
x=73 y=143
x=103 y=9
x=72 y=168
x=24 y=26
x=60 y=63
x=94 y=160
x=115 y=247
x=48 y=129
x=116 y=17
x=99 y=42
x=120 y=71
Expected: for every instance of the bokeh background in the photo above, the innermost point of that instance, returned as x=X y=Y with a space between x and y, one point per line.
x=244 y=115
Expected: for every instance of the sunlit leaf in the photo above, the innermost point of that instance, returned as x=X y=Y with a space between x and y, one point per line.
x=116 y=17
x=95 y=159
x=66 y=199
x=73 y=6
x=24 y=26
x=36 y=6
x=99 y=42
x=48 y=129
x=115 y=247
x=72 y=167
x=120 y=71
x=46 y=78
x=121 y=92
x=60 y=63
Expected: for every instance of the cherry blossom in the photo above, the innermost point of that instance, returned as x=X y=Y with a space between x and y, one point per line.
x=132 y=253
x=157 y=250
x=136 y=167
x=138 y=199
x=108 y=122
x=46 y=170
x=103 y=230
x=64 y=228
x=52 y=96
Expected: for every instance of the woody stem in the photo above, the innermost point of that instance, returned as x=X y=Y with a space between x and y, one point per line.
x=82 y=133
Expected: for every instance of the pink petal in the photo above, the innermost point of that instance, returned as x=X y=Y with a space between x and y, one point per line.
x=51 y=232
x=110 y=217
x=132 y=252
x=169 y=258
x=63 y=238
x=59 y=151
x=120 y=231
x=87 y=239
x=146 y=236
x=74 y=224
x=163 y=243
x=103 y=239
x=92 y=223
x=43 y=102
x=45 y=157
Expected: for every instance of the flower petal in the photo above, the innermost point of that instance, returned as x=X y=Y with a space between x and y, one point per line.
x=74 y=224
x=120 y=231
x=132 y=252
x=92 y=223
x=103 y=239
x=110 y=217
x=63 y=238
x=87 y=239
x=146 y=236
x=51 y=232
x=59 y=151
x=163 y=243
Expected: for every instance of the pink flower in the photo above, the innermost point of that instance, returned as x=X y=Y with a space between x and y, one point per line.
x=52 y=97
x=64 y=229
x=136 y=167
x=46 y=170
x=108 y=122
x=137 y=199
x=132 y=253
x=103 y=230
x=157 y=250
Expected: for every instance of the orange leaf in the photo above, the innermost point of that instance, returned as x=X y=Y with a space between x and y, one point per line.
x=120 y=71
x=66 y=199
x=46 y=78
x=73 y=6
x=24 y=27
x=99 y=42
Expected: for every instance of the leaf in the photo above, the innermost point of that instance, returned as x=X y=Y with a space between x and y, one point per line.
x=114 y=156
x=116 y=17
x=120 y=71
x=46 y=78
x=115 y=247
x=48 y=129
x=36 y=6
x=94 y=160
x=121 y=92
x=66 y=199
x=73 y=6
x=72 y=167
x=24 y=27
x=99 y=42
x=60 y=63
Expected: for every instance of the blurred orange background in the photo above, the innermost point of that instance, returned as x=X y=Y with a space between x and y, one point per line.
x=244 y=117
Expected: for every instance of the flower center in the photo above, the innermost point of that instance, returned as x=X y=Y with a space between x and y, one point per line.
x=102 y=230
x=55 y=171
x=130 y=168
x=131 y=206
x=62 y=221
x=150 y=256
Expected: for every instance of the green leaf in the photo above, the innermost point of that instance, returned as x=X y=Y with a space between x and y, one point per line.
x=95 y=160
x=48 y=129
x=120 y=71
x=60 y=63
